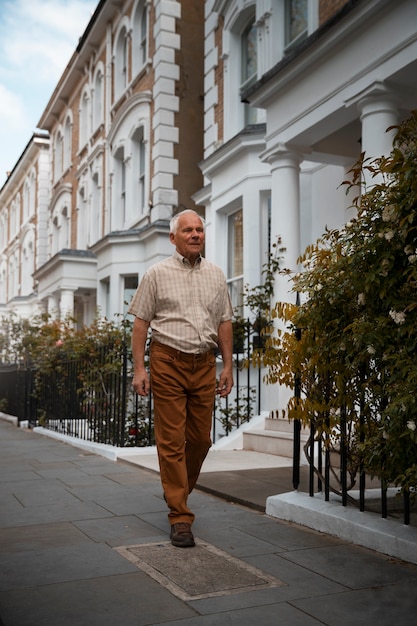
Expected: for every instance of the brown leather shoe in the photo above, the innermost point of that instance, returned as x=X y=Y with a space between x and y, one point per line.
x=181 y=535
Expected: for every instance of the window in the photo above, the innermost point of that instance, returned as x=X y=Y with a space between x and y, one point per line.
x=129 y=288
x=26 y=200
x=138 y=158
x=98 y=99
x=64 y=229
x=67 y=143
x=120 y=70
x=296 y=21
x=28 y=265
x=3 y=282
x=82 y=218
x=3 y=230
x=120 y=206
x=84 y=129
x=140 y=37
x=15 y=208
x=249 y=67
x=105 y=295
x=235 y=258
x=59 y=147
x=95 y=210
x=265 y=224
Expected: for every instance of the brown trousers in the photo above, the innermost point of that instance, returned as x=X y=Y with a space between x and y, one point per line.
x=183 y=388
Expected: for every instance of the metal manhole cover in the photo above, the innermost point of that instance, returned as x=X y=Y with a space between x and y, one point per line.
x=194 y=573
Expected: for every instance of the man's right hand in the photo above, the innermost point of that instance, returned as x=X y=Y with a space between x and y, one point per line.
x=141 y=383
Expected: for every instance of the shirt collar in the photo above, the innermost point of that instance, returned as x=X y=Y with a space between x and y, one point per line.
x=185 y=261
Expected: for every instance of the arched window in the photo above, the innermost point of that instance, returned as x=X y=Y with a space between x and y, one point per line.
x=13 y=217
x=58 y=154
x=248 y=62
x=140 y=37
x=64 y=229
x=27 y=265
x=67 y=142
x=82 y=218
x=26 y=200
x=94 y=234
x=84 y=117
x=3 y=230
x=3 y=283
x=138 y=169
x=98 y=99
x=119 y=205
x=120 y=64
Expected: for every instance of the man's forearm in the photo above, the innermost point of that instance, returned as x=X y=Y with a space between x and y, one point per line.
x=225 y=339
x=139 y=337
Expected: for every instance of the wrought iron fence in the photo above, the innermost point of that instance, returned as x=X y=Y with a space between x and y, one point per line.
x=329 y=471
x=96 y=402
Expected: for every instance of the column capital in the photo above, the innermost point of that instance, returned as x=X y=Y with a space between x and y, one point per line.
x=283 y=155
x=375 y=98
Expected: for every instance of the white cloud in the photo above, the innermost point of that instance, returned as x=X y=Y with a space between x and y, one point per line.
x=37 y=40
x=39 y=37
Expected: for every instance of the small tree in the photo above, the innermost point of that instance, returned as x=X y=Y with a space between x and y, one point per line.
x=356 y=356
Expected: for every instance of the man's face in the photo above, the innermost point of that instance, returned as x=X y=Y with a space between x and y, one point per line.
x=189 y=237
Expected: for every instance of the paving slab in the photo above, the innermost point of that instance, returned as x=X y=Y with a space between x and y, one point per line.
x=68 y=517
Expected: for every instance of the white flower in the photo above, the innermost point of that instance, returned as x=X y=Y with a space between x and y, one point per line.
x=389 y=235
x=411 y=425
x=397 y=316
x=318 y=287
x=412 y=258
x=371 y=350
x=388 y=214
x=361 y=298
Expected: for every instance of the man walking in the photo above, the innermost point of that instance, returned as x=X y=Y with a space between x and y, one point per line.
x=185 y=301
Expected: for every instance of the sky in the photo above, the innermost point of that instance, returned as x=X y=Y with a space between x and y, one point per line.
x=37 y=40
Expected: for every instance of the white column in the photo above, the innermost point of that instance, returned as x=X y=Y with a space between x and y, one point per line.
x=53 y=306
x=379 y=111
x=285 y=215
x=285 y=223
x=66 y=303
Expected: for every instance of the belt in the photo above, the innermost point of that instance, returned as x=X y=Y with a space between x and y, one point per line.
x=184 y=356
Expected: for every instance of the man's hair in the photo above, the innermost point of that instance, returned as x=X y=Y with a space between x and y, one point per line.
x=173 y=224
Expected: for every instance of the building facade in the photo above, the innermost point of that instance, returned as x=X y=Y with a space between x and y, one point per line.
x=250 y=111
x=295 y=91
x=124 y=126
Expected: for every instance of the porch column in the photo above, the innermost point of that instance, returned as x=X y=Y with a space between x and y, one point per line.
x=285 y=223
x=66 y=303
x=378 y=111
x=53 y=306
x=285 y=215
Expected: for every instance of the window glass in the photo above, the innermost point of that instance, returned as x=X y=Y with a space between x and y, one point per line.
x=296 y=19
x=130 y=286
x=248 y=67
x=235 y=258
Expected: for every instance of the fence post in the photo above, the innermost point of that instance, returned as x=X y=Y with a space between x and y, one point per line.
x=297 y=423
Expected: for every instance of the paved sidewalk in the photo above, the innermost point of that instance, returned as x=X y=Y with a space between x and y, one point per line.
x=84 y=542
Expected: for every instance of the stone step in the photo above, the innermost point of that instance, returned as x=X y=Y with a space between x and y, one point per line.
x=280 y=424
x=270 y=442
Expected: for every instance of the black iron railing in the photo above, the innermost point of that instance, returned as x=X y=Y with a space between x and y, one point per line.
x=97 y=402
x=333 y=477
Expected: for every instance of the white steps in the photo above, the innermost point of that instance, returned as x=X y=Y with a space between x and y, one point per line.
x=276 y=437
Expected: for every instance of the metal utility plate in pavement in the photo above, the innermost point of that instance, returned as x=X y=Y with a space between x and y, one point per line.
x=195 y=573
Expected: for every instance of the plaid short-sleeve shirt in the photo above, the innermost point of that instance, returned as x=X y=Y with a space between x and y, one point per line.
x=183 y=303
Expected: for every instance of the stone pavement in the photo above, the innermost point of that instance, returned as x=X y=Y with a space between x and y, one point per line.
x=84 y=542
